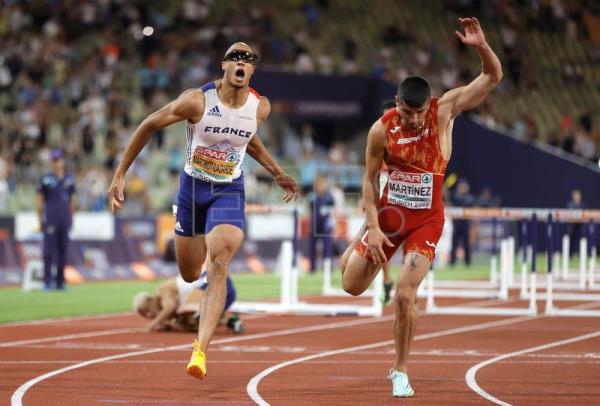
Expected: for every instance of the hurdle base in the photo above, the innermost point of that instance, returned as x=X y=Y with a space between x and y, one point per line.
x=475 y=311
x=302 y=308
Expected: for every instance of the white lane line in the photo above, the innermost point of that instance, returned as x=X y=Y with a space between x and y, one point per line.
x=86 y=335
x=69 y=337
x=322 y=362
x=17 y=397
x=63 y=319
x=472 y=372
x=252 y=387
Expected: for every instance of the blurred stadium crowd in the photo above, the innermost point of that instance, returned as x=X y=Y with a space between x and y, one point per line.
x=80 y=75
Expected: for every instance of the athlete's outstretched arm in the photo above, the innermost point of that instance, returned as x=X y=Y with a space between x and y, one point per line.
x=167 y=293
x=376 y=143
x=256 y=149
x=188 y=106
x=471 y=95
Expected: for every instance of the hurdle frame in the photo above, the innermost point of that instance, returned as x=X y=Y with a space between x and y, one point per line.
x=550 y=296
x=289 y=302
x=531 y=310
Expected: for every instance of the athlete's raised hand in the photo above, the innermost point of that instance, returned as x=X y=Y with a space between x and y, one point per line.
x=289 y=186
x=116 y=195
x=473 y=35
x=376 y=240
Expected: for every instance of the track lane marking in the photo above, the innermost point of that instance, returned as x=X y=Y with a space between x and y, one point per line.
x=471 y=376
x=70 y=337
x=17 y=397
x=252 y=387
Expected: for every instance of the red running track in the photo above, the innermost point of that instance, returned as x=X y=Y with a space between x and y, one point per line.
x=292 y=360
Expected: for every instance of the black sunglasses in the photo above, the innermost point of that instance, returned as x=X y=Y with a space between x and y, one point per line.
x=239 y=55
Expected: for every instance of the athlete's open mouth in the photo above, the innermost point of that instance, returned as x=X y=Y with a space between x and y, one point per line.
x=240 y=73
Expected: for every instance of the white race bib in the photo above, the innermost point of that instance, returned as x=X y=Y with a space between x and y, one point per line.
x=216 y=163
x=411 y=190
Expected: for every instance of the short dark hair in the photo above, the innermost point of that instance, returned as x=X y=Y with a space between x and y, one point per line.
x=387 y=104
x=414 y=91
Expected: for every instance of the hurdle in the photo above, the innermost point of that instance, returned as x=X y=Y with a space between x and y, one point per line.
x=531 y=310
x=550 y=296
x=475 y=289
x=289 y=302
x=586 y=276
x=592 y=263
x=566 y=274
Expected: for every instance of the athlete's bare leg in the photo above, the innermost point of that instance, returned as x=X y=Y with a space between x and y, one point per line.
x=358 y=274
x=411 y=274
x=190 y=253
x=222 y=243
x=346 y=255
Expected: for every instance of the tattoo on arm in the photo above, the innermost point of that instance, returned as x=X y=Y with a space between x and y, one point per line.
x=413 y=262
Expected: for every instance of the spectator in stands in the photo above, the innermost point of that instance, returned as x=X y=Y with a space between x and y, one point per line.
x=461 y=228
x=56 y=203
x=69 y=76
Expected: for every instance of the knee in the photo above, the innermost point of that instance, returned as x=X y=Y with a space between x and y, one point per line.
x=189 y=270
x=189 y=274
x=220 y=262
x=351 y=289
x=405 y=300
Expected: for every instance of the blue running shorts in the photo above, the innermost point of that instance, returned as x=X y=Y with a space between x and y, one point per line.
x=203 y=205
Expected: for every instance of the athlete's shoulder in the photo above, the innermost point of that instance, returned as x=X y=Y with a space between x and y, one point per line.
x=388 y=116
x=190 y=105
x=254 y=93
x=377 y=134
x=264 y=108
x=208 y=86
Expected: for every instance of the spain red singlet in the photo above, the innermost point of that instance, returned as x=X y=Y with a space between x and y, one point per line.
x=411 y=207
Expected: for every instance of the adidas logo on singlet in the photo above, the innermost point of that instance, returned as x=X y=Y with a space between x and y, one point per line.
x=214 y=112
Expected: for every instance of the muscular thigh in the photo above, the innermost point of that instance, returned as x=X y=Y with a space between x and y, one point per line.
x=413 y=271
x=359 y=273
x=423 y=238
x=223 y=241
x=190 y=253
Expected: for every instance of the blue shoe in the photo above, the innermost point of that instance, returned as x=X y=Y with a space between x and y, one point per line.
x=400 y=386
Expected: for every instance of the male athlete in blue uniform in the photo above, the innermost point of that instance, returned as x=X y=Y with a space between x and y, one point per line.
x=56 y=202
x=221 y=121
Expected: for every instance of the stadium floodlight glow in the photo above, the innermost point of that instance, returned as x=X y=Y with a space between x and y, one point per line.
x=147 y=31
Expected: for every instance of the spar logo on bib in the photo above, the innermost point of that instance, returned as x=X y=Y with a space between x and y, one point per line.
x=215 y=163
x=410 y=190
x=407 y=177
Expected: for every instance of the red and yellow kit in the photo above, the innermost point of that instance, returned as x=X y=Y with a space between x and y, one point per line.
x=411 y=208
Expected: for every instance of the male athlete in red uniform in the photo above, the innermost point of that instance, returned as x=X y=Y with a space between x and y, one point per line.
x=415 y=140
